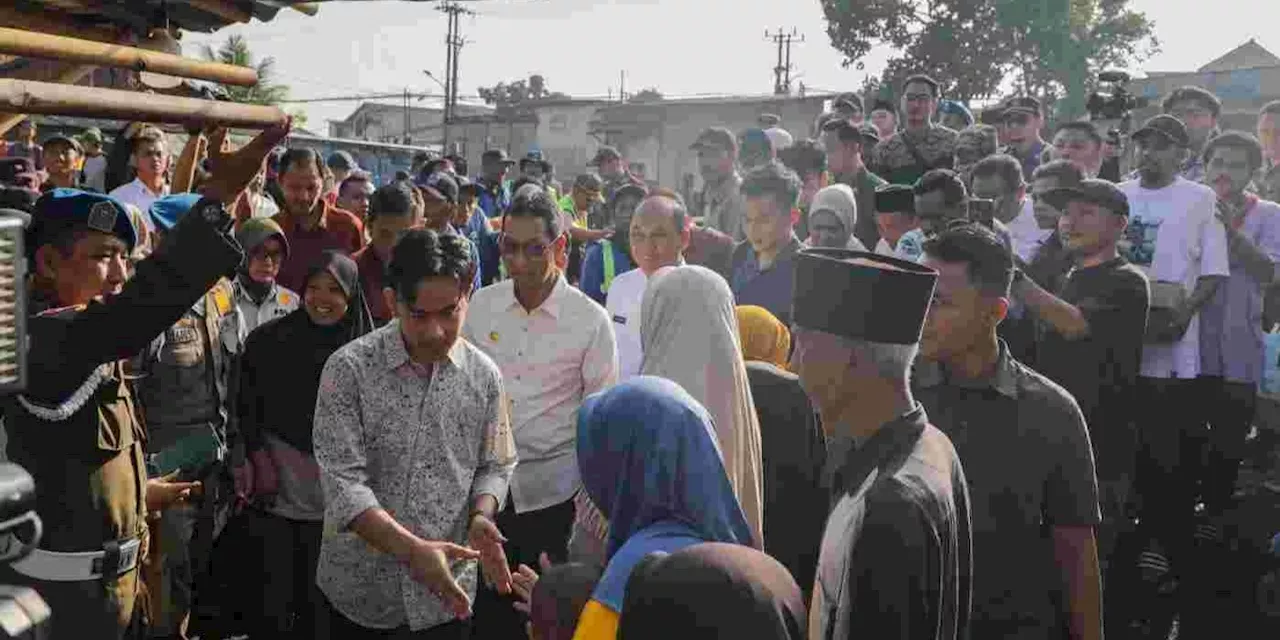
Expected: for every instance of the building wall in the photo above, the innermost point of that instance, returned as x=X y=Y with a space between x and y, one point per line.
x=564 y=137
x=1242 y=91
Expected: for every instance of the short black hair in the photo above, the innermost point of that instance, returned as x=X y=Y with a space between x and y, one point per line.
x=459 y=163
x=535 y=203
x=1238 y=139
x=1195 y=94
x=356 y=176
x=400 y=174
x=422 y=254
x=934 y=87
x=944 y=180
x=301 y=156
x=525 y=181
x=395 y=199
x=773 y=180
x=1086 y=128
x=1003 y=165
x=1066 y=172
x=989 y=263
x=805 y=158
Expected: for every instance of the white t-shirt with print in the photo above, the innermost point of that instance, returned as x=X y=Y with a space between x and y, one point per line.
x=1026 y=232
x=1174 y=236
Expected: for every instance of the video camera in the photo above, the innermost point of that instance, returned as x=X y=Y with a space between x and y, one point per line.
x=23 y=613
x=1114 y=102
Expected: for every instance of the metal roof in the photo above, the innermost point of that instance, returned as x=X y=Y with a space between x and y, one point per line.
x=139 y=15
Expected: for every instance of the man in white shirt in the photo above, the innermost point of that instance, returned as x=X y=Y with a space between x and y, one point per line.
x=999 y=178
x=150 y=159
x=1175 y=237
x=659 y=235
x=554 y=347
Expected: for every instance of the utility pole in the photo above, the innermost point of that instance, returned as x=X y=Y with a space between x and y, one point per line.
x=782 y=72
x=622 y=86
x=453 y=46
x=405 y=139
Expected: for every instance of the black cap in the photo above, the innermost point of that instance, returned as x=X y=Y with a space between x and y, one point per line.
x=896 y=198
x=861 y=295
x=67 y=140
x=439 y=185
x=848 y=102
x=1099 y=192
x=496 y=155
x=1167 y=126
x=466 y=184
x=604 y=154
x=716 y=138
x=883 y=105
x=1021 y=104
x=589 y=182
x=533 y=157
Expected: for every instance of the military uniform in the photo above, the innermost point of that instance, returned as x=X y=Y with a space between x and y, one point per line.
x=76 y=427
x=183 y=395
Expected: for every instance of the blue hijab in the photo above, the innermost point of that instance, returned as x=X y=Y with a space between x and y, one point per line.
x=649 y=461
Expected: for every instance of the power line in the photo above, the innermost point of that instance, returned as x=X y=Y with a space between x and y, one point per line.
x=782 y=71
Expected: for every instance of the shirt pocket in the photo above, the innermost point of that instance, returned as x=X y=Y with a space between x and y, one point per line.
x=117 y=428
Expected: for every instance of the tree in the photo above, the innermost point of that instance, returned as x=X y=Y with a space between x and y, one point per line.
x=1061 y=46
x=235 y=50
x=510 y=94
x=970 y=46
x=649 y=94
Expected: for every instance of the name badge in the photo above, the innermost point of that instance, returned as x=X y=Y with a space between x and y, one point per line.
x=620 y=319
x=183 y=335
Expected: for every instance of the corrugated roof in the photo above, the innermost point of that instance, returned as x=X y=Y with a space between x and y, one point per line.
x=138 y=15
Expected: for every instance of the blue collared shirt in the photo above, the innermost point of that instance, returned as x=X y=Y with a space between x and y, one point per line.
x=770 y=287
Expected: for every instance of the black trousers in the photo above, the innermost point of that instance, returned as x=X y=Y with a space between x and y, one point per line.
x=1170 y=418
x=1229 y=410
x=528 y=535
x=290 y=598
x=336 y=626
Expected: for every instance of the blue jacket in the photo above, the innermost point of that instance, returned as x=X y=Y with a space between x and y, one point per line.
x=593 y=271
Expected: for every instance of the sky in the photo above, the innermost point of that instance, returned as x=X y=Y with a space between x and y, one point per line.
x=581 y=47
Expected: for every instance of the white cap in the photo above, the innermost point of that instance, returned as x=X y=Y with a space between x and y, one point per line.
x=779 y=137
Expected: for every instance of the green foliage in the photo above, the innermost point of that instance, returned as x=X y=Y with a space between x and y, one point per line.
x=649 y=94
x=510 y=94
x=235 y=50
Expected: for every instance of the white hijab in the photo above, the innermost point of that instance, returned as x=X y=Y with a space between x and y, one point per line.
x=689 y=334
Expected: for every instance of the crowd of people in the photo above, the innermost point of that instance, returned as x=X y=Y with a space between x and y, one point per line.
x=893 y=372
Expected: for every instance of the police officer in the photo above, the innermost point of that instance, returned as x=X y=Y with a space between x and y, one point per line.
x=183 y=396
x=75 y=427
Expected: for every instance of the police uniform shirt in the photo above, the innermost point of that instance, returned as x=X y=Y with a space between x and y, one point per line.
x=895 y=560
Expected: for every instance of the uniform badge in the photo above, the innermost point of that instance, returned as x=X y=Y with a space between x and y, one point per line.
x=102 y=217
x=222 y=300
x=284 y=298
x=493 y=336
x=619 y=320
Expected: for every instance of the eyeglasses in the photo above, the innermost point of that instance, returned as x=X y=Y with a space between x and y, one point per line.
x=533 y=250
x=274 y=256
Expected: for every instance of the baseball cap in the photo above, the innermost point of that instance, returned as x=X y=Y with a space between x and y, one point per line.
x=1021 y=104
x=533 y=157
x=342 y=161
x=883 y=105
x=715 y=138
x=1099 y=192
x=588 y=182
x=1171 y=128
x=439 y=185
x=604 y=154
x=869 y=133
x=496 y=155
x=67 y=140
x=847 y=102
x=92 y=134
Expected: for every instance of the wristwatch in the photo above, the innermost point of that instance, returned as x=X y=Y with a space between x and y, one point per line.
x=214 y=213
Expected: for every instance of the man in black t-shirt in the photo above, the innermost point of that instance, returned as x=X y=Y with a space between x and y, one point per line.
x=1093 y=328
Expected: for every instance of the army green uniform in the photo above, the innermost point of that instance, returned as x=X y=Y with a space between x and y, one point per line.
x=77 y=432
x=182 y=393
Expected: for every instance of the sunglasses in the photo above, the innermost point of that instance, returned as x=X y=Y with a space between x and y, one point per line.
x=533 y=250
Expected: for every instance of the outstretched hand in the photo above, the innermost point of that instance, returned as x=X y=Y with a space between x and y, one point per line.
x=430 y=565
x=484 y=536
x=524 y=580
x=232 y=171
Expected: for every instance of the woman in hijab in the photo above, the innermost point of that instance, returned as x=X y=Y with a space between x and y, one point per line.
x=764 y=337
x=689 y=334
x=793 y=447
x=737 y=591
x=832 y=217
x=279 y=378
x=648 y=458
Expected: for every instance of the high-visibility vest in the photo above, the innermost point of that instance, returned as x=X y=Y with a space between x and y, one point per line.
x=610 y=270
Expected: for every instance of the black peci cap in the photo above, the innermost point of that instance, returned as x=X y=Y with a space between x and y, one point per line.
x=1099 y=192
x=896 y=198
x=860 y=295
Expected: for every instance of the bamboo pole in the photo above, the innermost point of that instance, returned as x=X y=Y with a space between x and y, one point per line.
x=43 y=45
x=50 y=21
x=69 y=75
x=47 y=98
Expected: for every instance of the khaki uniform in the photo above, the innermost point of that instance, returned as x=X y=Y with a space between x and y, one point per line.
x=76 y=430
x=183 y=395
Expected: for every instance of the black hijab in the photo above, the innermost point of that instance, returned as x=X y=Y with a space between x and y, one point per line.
x=284 y=358
x=734 y=589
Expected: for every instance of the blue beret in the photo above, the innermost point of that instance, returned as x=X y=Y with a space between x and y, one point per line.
x=61 y=210
x=167 y=211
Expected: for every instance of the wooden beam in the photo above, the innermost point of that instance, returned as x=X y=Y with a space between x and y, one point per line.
x=228 y=11
x=43 y=45
x=306 y=8
x=69 y=75
x=69 y=100
x=56 y=22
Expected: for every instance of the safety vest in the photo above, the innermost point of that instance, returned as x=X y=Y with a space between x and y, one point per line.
x=610 y=270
